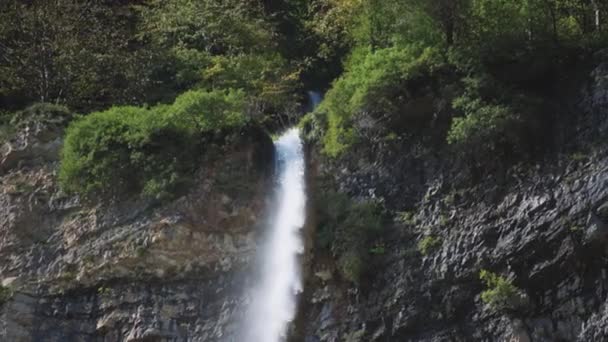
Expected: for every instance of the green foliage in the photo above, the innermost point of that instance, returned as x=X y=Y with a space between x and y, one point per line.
x=500 y=293
x=220 y=45
x=371 y=23
x=218 y=27
x=6 y=129
x=313 y=126
x=378 y=250
x=443 y=220
x=406 y=217
x=486 y=126
x=375 y=81
x=395 y=43
x=351 y=265
x=5 y=294
x=84 y=55
x=90 y=56
x=428 y=244
x=104 y=291
x=23 y=187
x=347 y=229
x=141 y=251
x=482 y=124
x=578 y=156
x=266 y=76
x=149 y=151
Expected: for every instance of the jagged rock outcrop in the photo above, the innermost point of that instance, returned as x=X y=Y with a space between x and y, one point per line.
x=133 y=270
x=541 y=224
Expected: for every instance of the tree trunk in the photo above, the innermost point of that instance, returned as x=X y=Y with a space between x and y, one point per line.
x=596 y=11
x=449 y=33
x=551 y=5
x=448 y=12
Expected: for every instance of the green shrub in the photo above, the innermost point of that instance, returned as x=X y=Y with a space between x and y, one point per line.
x=378 y=250
x=313 y=126
x=488 y=125
x=266 y=76
x=428 y=244
x=406 y=217
x=351 y=265
x=6 y=129
x=482 y=124
x=347 y=229
x=570 y=31
x=500 y=293
x=5 y=294
x=578 y=157
x=152 y=152
x=141 y=251
x=374 y=81
x=104 y=291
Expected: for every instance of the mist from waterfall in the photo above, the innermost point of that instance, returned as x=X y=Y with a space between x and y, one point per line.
x=273 y=300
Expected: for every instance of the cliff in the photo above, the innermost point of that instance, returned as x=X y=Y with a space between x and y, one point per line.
x=132 y=270
x=174 y=270
x=540 y=225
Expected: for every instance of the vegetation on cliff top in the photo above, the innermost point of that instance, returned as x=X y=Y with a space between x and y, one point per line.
x=397 y=55
x=153 y=151
x=151 y=78
x=486 y=64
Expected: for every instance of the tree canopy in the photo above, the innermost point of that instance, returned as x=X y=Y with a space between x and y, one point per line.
x=381 y=62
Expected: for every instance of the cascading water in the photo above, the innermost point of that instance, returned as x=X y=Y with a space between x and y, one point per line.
x=273 y=303
x=315 y=99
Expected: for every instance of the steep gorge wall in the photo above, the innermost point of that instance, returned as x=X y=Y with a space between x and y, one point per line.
x=132 y=270
x=542 y=223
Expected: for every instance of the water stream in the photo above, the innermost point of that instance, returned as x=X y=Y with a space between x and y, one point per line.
x=274 y=298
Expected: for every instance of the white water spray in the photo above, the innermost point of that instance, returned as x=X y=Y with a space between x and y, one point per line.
x=273 y=304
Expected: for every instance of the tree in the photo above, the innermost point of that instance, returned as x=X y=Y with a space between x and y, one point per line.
x=449 y=15
x=80 y=53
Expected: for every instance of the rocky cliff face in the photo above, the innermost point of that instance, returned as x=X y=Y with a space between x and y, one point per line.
x=137 y=270
x=129 y=271
x=542 y=224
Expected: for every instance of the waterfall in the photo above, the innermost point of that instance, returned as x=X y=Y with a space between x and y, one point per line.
x=273 y=302
x=314 y=98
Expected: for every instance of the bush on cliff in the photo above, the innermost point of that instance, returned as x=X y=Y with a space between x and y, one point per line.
x=428 y=244
x=151 y=151
x=500 y=293
x=5 y=294
x=6 y=129
x=484 y=126
x=374 y=82
x=347 y=230
x=493 y=121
